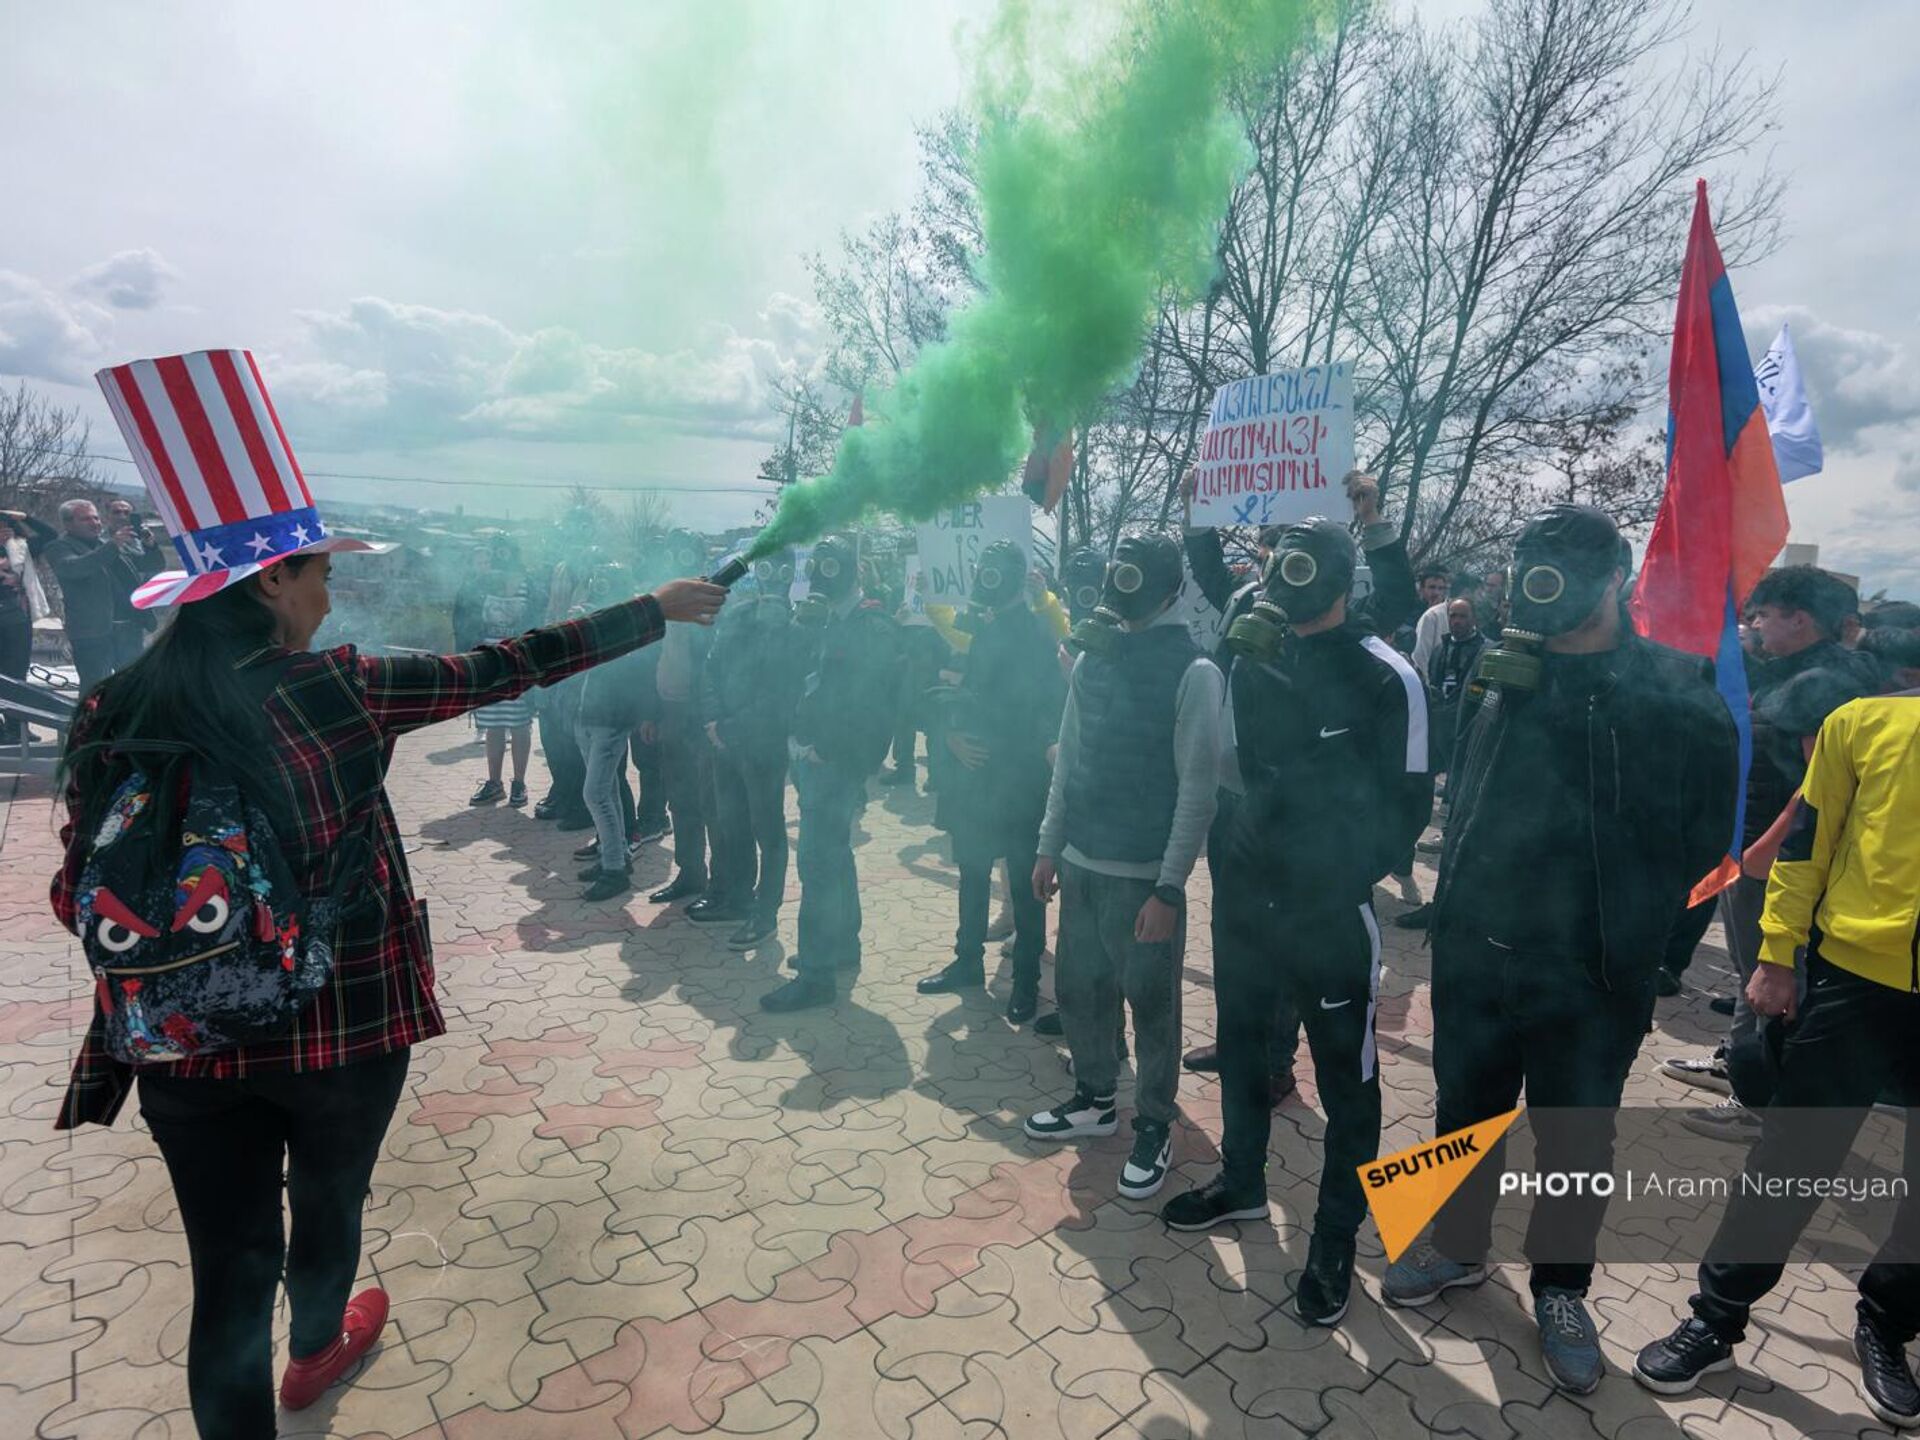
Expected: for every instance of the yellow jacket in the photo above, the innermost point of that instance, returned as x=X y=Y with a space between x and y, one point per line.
x=1047 y=607
x=1851 y=862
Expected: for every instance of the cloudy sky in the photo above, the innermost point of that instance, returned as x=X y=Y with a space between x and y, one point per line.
x=511 y=245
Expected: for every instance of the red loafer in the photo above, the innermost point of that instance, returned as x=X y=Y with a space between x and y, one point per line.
x=307 y=1380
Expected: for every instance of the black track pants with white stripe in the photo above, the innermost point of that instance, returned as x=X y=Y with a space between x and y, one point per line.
x=1329 y=961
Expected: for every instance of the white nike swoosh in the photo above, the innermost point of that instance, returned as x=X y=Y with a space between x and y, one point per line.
x=1334 y=1005
x=1326 y=734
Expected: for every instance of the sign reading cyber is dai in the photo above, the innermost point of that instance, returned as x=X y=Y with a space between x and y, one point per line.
x=951 y=542
x=1276 y=448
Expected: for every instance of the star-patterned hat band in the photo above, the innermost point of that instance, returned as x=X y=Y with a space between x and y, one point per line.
x=216 y=462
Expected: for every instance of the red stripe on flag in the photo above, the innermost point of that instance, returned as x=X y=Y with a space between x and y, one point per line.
x=306 y=494
x=268 y=474
x=192 y=416
x=201 y=586
x=136 y=405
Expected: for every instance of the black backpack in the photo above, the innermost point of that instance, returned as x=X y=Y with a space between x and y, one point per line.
x=199 y=939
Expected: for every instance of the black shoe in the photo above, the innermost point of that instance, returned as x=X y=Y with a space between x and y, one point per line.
x=1215 y=1203
x=1721 y=1004
x=897 y=776
x=592 y=872
x=1279 y=1087
x=517 y=796
x=1024 y=1003
x=1050 y=1025
x=1416 y=918
x=1666 y=983
x=1673 y=1365
x=803 y=992
x=960 y=975
x=649 y=829
x=752 y=934
x=1326 y=1285
x=1885 y=1378
x=491 y=792
x=679 y=888
x=574 y=820
x=546 y=809
x=609 y=884
x=710 y=911
x=588 y=851
x=1202 y=1059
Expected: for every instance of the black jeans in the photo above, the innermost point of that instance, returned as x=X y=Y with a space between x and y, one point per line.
x=1685 y=937
x=227 y=1144
x=974 y=857
x=830 y=801
x=1328 y=968
x=1852 y=1039
x=1507 y=1020
x=750 y=829
x=653 y=785
x=685 y=761
x=562 y=748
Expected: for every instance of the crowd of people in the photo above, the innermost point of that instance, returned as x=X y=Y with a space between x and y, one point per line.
x=1086 y=743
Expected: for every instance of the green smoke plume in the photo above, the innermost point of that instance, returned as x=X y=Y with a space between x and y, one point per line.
x=1094 y=197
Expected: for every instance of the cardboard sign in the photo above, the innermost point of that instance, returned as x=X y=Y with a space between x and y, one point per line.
x=951 y=542
x=1276 y=448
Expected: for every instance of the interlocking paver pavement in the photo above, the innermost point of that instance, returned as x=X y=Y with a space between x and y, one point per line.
x=618 y=1200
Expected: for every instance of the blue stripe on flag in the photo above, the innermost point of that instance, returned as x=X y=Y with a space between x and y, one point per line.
x=1730 y=678
x=1739 y=391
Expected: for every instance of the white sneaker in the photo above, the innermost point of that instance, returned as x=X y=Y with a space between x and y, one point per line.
x=1146 y=1168
x=1084 y=1114
x=1729 y=1120
x=1709 y=1072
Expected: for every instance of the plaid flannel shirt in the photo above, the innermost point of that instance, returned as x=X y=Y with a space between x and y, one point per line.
x=334 y=717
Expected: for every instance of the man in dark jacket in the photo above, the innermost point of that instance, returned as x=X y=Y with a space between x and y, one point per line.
x=96 y=578
x=751 y=679
x=1330 y=726
x=1000 y=723
x=1390 y=600
x=1594 y=786
x=842 y=726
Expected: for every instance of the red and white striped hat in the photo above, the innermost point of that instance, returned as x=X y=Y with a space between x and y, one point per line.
x=203 y=431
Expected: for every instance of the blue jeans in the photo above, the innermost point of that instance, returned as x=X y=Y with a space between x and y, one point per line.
x=605 y=750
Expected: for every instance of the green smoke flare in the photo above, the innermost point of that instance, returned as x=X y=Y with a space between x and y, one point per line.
x=1091 y=204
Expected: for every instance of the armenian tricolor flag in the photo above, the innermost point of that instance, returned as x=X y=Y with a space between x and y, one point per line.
x=1724 y=517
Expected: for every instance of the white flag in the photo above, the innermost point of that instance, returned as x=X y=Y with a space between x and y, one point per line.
x=1783 y=399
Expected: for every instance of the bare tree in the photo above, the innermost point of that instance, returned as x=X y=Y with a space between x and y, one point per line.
x=813 y=430
x=44 y=455
x=880 y=300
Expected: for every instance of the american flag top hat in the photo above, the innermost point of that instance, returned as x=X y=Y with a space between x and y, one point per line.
x=217 y=464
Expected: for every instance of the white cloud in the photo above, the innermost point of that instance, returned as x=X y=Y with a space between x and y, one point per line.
x=130 y=280
x=1858 y=381
x=383 y=373
x=44 y=335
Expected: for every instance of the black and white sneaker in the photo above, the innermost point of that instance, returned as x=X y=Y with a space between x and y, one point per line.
x=1215 y=1203
x=1674 y=1365
x=1709 y=1072
x=1146 y=1168
x=1084 y=1114
x=1886 y=1379
x=1326 y=1284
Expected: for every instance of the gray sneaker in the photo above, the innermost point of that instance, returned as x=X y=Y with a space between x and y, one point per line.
x=1568 y=1342
x=1423 y=1274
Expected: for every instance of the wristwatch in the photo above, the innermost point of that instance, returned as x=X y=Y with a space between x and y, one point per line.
x=1170 y=895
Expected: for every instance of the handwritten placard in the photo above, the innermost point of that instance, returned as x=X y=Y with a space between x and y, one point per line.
x=951 y=542
x=1276 y=448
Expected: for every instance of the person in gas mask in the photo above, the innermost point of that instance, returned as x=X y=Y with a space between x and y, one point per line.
x=1127 y=814
x=1593 y=787
x=999 y=723
x=1330 y=727
x=842 y=725
x=1389 y=599
x=751 y=680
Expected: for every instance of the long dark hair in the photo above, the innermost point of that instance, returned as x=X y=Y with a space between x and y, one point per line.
x=187 y=690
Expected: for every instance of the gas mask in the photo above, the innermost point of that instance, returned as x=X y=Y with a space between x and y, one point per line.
x=1084 y=574
x=999 y=580
x=686 y=552
x=773 y=574
x=1146 y=571
x=1562 y=565
x=1310 y=570
x=832 y=575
